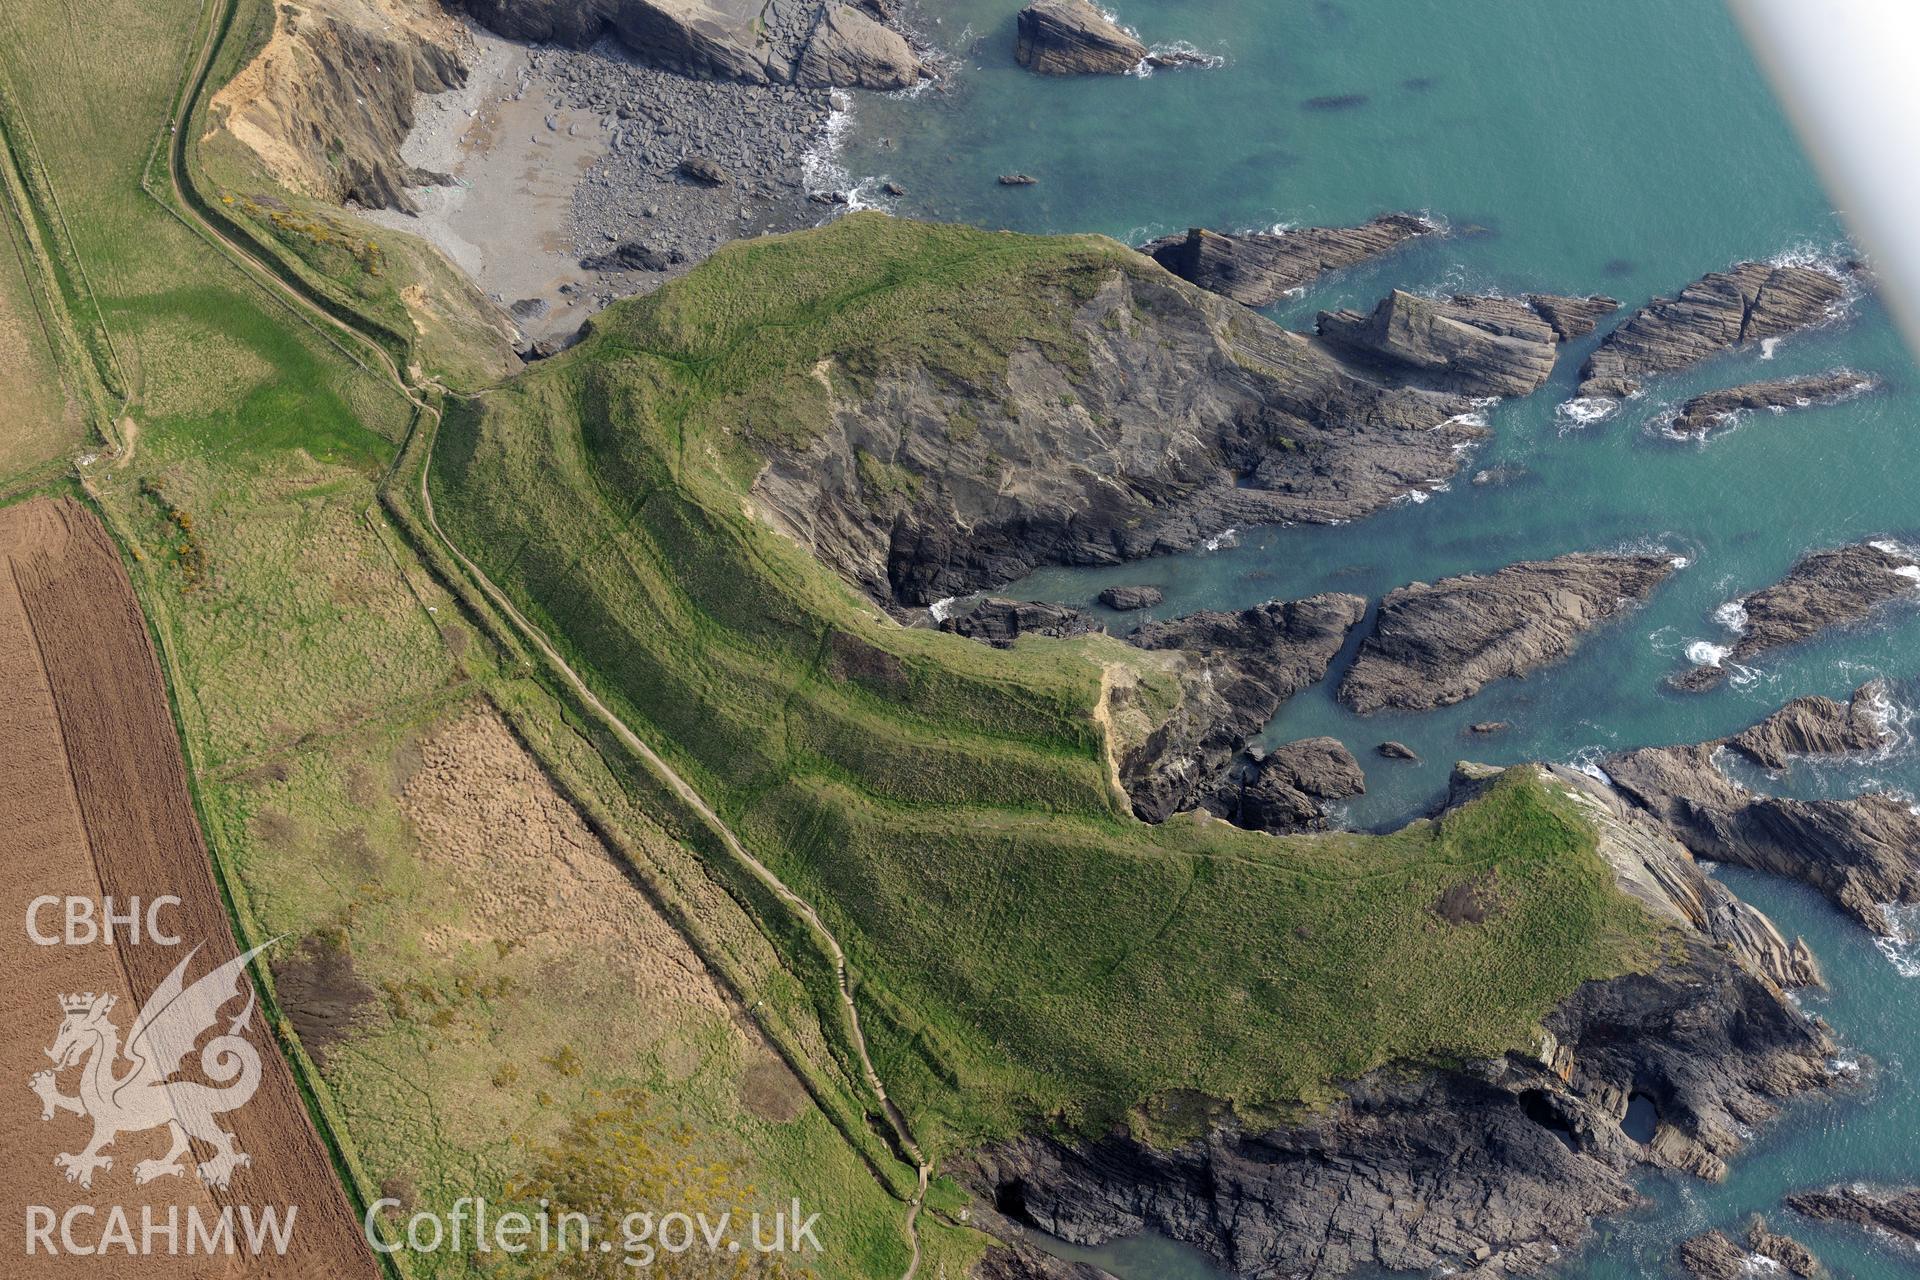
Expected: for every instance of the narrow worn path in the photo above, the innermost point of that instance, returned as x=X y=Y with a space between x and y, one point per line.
x=429 y=421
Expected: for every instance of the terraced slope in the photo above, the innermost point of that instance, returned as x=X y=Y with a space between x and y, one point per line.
x=1023 y=949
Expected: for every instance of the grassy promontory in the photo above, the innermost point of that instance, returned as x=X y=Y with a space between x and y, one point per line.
x=1023 y=949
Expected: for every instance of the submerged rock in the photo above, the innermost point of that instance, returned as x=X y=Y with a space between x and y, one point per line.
x=1127 y=599
x=1834 y=587
x=1717 y=410
x=1286 y=790
x=1258 y=269
x=1240 y=668
x=1435 y=644
x=999 y=622
x=1894 y=1211
x=1500 y=476
x=1483 y=346
x=1494 y=1168
x=1718 y=312
x=1017 y=180
x=1073 y=37
x=1860 y=852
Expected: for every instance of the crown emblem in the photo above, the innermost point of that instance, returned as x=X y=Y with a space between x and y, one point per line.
x=77 y=1004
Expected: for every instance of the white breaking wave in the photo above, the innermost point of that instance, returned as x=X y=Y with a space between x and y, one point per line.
x=1733 y=616
x=1901 y=945
x=1225 y=538
x=941 y=610
x=820 y=167
x=1181 y=55
x=1705 y=653
x=1584 y=411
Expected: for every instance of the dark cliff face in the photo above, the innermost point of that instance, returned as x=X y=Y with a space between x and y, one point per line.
x=1490 y=1169
x=1177 y=416
x=1240 y=667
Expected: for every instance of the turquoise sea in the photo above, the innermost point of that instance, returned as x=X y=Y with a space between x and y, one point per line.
x=1625 y=148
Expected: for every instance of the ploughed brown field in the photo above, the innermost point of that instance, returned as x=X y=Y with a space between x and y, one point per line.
x=93 y=803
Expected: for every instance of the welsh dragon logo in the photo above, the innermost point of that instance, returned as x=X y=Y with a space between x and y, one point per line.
x=143 y=1096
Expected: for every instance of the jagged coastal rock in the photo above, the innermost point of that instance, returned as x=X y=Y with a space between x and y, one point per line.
x=1130 y=598
x=1073 y=38
x=1152 y=418
x=1894 y=1211
x=1860 y=852
x=1718 y=312
x=1259 y=268
x=850 y=48
x=1494 y=1169
x=1240 y=668
x=1482 y=346
x=1833 y=587
x=1711 y=1255
x=1435 y=644
x=810 y=42
x=1718 y=410
x=1024 y=1262
x=1397 y=751
x=1659 y=872
x=999 y=622
x=1288 y=788
x=1819 y=726
x=1785 y=1250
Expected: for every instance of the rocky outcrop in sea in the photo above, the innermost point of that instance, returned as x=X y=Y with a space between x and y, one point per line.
x=1492 y=1169
x=1893 y=1212
x=1073 y=37
x=1861 y=852
x=1259 y=268
x=1819 y=726
x=1435 y=644
x=1478 y=345
x=1720 y=311
x=1833 y=587
x=1237 y=669
x=1718 y=410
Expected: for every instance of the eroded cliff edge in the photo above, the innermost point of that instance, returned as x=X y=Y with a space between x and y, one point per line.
x=1490 y=1168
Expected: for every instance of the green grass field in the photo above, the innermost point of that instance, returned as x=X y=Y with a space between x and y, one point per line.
x=1026 y=950
x=1023 y=952
x=312 y=656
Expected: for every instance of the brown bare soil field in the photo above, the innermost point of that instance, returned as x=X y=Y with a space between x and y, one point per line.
x=95 y=802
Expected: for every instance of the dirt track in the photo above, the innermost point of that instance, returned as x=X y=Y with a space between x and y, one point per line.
x=93 y=801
